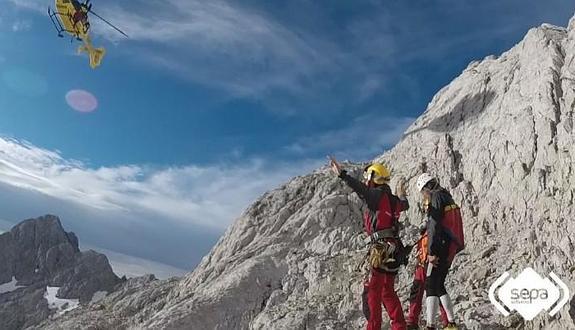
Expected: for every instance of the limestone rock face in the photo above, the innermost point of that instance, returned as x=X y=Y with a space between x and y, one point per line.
x=38 y=253
x=499 y=137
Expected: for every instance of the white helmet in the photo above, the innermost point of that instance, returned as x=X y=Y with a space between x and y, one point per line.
x=422 y=180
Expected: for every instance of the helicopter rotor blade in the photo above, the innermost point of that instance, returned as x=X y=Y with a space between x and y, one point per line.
x=110 y=24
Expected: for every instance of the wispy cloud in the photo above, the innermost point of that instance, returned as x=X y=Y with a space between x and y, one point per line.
x=21 y=25
x=209 y=196
x=37 y=5
x=216 y=43
x=364 y=138
x=219 y=44
x=241 y=50
x=244 y=50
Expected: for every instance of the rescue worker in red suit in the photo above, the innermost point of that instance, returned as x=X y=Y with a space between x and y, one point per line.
x=445 y=239
x=381 y=218
x=418 y=285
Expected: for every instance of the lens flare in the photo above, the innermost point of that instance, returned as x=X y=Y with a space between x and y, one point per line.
x=81 y=100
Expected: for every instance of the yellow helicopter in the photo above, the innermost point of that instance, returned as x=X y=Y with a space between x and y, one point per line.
x=71 y=16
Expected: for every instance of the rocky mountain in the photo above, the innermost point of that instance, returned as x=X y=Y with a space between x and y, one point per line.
x=500 y=137
x=39 y=259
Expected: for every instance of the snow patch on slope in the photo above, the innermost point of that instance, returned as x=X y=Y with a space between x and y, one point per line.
x=10 y=286
x=61 y=305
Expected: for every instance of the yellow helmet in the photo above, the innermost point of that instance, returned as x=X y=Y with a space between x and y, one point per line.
x=377 y=173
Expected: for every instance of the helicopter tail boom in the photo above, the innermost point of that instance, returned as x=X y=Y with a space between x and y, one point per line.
x=96 y=54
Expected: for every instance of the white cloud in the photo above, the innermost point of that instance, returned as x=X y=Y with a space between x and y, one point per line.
x=211 y=196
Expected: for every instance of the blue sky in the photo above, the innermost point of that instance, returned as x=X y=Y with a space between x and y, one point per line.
x=211 y=103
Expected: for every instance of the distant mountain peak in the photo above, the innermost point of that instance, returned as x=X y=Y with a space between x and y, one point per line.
x=38 y=253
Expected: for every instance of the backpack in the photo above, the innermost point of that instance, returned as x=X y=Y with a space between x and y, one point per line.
x=452 y=223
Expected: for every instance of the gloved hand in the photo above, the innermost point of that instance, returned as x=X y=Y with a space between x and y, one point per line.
x=335 y=167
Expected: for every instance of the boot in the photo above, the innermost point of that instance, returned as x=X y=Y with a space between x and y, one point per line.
x=451 y=326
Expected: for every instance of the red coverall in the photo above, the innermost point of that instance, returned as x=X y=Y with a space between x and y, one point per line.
x=380 y=287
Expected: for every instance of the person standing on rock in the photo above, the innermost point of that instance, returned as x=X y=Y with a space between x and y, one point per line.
x=381 y=224
x=418 y=285
x=445 y=239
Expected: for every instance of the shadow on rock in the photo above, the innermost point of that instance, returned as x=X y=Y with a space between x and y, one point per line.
x=572 y=309
x=468 y=109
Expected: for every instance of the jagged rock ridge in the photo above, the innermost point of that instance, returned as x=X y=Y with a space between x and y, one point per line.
x=500 y=137
x=38 y=253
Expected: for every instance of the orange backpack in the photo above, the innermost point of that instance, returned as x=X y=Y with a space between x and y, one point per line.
x=422 y=249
